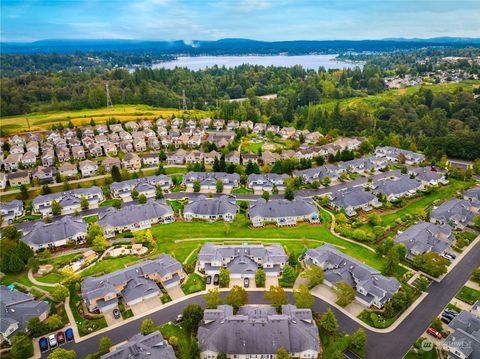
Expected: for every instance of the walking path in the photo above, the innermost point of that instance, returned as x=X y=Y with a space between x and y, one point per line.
x=32 y=279
x=188 y=257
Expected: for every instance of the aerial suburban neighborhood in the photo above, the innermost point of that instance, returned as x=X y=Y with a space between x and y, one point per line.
x=328 y=221
x=240 y=179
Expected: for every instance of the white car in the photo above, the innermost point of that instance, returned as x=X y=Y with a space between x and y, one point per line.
x=52 y=341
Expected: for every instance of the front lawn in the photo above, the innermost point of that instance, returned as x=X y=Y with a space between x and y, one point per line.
x=194 y=283
x=468 y=295
x=242 y=190
x=418 y=353
x=85 y=326
x=186 y=344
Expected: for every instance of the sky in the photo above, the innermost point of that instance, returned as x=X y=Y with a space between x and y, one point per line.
x=268 y=20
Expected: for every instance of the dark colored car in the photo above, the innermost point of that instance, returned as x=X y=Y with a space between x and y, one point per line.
x=116 y=313
x=209 y=279
x=446 y=320
x=215 y=279
x=448 y=315
x=69 y=334
x=60 y=338
x=43 y=343
x=451 y=312
x=246 y=282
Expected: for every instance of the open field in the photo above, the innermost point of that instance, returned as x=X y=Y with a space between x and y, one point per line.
x=44 y=120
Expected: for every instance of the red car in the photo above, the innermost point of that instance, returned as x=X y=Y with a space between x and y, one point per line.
x=60 y=338
x=434 y=333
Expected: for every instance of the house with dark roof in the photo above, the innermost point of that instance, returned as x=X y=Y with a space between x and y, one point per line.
x=394 y=154
x=18 y=178
x=243 y=260
x=17 y=309
x=258 y=332
x=364 y=164
x=372 y=288
x=428 y=176
x=457 y=213
x=208 y=181
x=266 y=182
x=55 y=234
x=425 y=237
x=353 y=199
x=134 y=284
x=396 y=187
x=141 y=346
x=283 y=212
x=11 y=210
x=472 y=194
x=145 y=185
x=136 y=217
x=464 y=342
x=314 y=174
x=211 y=209
x=69 y=201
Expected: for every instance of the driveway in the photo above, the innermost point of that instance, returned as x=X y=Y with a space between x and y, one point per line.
x=110 y=319
x=236 y=281
x=269 y=281
x=175 y=292
x=146 y=305
x=354 y=308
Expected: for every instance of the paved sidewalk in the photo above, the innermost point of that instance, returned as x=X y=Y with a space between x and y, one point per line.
x=32 y=279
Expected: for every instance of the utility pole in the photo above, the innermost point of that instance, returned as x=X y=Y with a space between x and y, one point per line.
x=184 y=100
x=109 y=100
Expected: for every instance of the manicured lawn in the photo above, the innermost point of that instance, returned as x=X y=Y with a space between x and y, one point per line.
x=175 y=170
x=418 y=353
x=109 y=265
x=85 y=326
x=194 y=283
x=185 y=342
x=468 y=295
x=90 y=219
x=51 y=278
x=21 y=278
x=107 y=203
x=242 y=190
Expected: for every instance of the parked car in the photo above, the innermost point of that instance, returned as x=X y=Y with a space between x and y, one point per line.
x=60 y=338
x=116 y=313
x=69 y=334
x=450 y=255
x=215 y=279
x=209 y=279
x=434 y=333
x=448 y=315
x=179 y=318
x=446 y=320
x=451 y=312
x=43 y=343
x=52 y=341
x=246 y=282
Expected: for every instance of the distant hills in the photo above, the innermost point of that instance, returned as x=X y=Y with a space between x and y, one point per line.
x=230 y=46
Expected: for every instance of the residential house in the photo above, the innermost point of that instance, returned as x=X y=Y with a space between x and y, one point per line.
x=177 y=157
x=132 y=162
x=109 y=162
x=211 y=209
x=162 y=132
x=63 y=155
x=19 y=178
x=177 y=123
x=101 y=139
x=472 y=194
x=425 y=237
x=287 y=132
x=315 y=174
x=69 y=201
x=205 y=123
x=95 y=150
x=353 y=199
x=232 y=125
x=11 y=210
x=259 y=127
x=269 y=158
x=274 y=129
x=101 y=129
x=55 y=234
x=126 y=146
x=210 y=157
x=248 y=125
x=17 y=150
x=17 y=309
x=17 y=140
x=134 y=284
x=48 y=157
x=139 y=145
x=142 y=347
x=150 y=159
x=266 y=182
x=372 y=288
x=242 y=260
x=110 y=149
x=135 y=217
x=394 y=154
x=88 y=168
x=146 y=186
x=114 y=138
x=33 y=147
x=28 y=159
x=131 y=125
x=218 y=124
x=194 y=157
x=396 y=187
x=116 y=127
x=364 y=164
x=145 y=124
x=249 y=157
x=68 y=170
x=161 y=123
x=233 y=157
x=464 y=341
x=78 y=153
x=125 y=136
x=12 y=162
x=428 y=176
x=208 y=181
x=283 y=212
x=3 y=180
x=44 y=174
x=154 y=143
x=457 y=213
x=191 y=123
x=257 y=332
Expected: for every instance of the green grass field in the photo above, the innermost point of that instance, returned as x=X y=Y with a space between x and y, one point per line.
x=468 y=295
x=44 y=120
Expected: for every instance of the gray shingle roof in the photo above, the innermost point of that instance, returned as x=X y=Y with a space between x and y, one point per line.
x=212 y=177
x=93 y=191
x=396 y=186
x=426 y=237
x=143 y=347
x=466 y=337
x=354 y=197
x=258 y=330
x=18 y=307
x=279 y=208
x=45 y=233
x=153 y=209
x=216 y=206
x=454 y=210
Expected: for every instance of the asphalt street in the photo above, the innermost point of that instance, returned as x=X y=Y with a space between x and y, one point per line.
x=391 y=345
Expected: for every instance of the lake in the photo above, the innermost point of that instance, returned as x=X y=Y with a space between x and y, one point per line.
x=307 y=61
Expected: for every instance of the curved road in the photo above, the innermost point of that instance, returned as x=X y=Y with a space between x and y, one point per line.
x=392 y=345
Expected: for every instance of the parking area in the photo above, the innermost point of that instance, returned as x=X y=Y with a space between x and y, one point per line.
x=269 y=281
x=322 y=290
x=175 y=292
x=146 y=305
x=110 y=318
